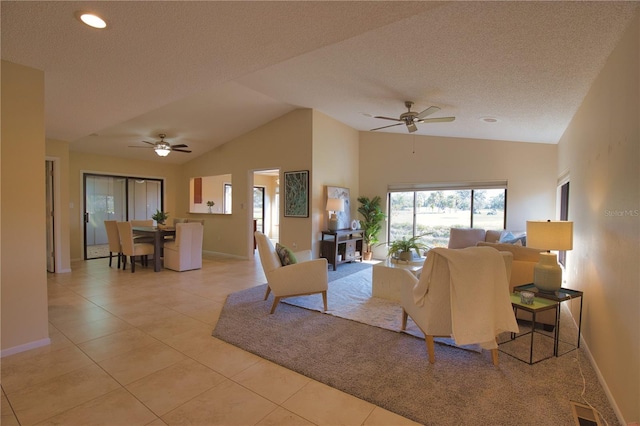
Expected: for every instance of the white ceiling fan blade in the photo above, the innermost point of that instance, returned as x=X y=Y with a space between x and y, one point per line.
x=384 y=127
x=427 y=112
x=387 y=118
x=412 y=127
x=437 y=120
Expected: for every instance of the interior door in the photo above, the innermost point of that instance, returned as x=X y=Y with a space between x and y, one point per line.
x=51 y=260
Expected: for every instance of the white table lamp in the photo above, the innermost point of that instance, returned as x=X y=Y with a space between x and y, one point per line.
x=549 y=235
x=334 y=205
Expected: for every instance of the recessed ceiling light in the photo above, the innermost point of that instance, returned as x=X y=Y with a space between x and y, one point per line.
x=91 y=19
x=489 y=119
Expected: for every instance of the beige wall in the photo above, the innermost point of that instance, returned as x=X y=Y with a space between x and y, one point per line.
x=530 y=169
x=58 y=152
x=22 y=213
x=81 y=162
x=335 y=163
x=600 y=150
x=284 y=144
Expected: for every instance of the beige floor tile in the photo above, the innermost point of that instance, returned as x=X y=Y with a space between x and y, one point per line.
x=169 y=327
x=116 y=344
x=324 y=405
x=225 y=404
x=193 y=342
x=7 y=417
x=118 y=407
x=171 y=387
x=141 y=362
x=272 y=381
x=141 y=313
x=78 y=331
x=23 y=370
x=226 y=359
x=52 y=397
x=382 y=417
x=282 y=417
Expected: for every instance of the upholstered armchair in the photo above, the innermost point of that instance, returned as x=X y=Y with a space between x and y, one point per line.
x=461 y=293
x=305 y=277
x=184 y=253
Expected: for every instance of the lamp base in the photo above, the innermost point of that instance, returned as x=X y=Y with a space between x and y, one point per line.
x=333 y=222
x=547 y=274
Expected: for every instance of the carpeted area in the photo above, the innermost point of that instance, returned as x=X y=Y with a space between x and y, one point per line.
x=391 y=369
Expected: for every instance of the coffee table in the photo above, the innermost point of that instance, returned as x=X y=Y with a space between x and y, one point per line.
x=386 y=282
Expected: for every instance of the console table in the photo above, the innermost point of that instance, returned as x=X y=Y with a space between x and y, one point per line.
x=343 y=245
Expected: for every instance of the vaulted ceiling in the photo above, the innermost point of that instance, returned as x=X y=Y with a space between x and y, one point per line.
x=206 y=72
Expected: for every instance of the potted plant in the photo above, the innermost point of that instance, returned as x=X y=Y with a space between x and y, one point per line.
x=401 y=249
x=160 y=217
x=210 y=204
x=373 y=215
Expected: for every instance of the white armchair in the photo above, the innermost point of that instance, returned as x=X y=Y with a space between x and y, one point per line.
x=461 y=293
x=305 y=277
x=184 y=253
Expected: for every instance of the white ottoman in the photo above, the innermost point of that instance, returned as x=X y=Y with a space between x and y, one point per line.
x=384 y=282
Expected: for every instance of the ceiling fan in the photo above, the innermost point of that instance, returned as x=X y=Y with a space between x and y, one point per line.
x=411 y=118
x=163 y=148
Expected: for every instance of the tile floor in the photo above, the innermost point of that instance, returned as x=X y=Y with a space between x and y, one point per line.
x=136 y=349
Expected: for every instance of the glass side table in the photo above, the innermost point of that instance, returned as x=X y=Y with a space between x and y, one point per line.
x=539 y=305
x=562 y=295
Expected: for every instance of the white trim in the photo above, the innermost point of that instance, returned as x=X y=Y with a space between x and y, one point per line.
x=57 y=209
x=26 y=347
x=563 y=178
x=441 y=186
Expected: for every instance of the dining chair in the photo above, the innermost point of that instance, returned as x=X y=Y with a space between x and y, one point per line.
x=185 y=252
x=114 y=240
x=131 y=248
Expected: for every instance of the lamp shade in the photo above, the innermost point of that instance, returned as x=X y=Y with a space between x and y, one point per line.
x=550 y=235
x=335 y=204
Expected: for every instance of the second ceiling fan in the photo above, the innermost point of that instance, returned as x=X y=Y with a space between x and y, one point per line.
x=162 y=147
x=411 y=118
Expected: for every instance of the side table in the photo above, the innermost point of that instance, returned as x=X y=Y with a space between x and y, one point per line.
x=539 y=305
x=562 y=295
x=343 y=245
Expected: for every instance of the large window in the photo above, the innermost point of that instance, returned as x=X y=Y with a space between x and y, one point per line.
x=432 y=212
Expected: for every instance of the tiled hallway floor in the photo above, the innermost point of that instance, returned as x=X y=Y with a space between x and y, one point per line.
x=136 y=349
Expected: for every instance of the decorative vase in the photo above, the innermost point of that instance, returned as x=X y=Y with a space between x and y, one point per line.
x=210 y=209
x=355 y=224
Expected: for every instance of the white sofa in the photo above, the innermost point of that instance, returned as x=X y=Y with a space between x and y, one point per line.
x=524 y=261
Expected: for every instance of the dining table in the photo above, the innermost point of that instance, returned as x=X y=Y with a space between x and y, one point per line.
x=159 y=234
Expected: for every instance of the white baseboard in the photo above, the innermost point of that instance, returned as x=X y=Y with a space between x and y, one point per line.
x=603 y=383
x=25 y=347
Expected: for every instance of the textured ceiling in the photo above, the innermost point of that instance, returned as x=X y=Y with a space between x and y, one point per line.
x=207 y=72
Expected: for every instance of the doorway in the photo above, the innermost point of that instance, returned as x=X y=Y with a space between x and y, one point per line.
x=50 y=217
x=118 y=198
x=266 y=202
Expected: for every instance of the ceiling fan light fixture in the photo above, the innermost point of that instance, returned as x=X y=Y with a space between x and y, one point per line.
x=91 y=19
x=162 y=149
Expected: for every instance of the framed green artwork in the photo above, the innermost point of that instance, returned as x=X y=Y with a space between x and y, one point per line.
x=296 y=194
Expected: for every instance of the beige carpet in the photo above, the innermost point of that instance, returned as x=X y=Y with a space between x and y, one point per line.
x=391 y=369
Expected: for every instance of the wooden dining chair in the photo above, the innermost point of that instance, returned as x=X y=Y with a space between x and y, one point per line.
x=131 y=248
x=114 y=240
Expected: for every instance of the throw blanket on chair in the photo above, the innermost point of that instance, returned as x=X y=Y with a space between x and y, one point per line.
x=479 y=293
